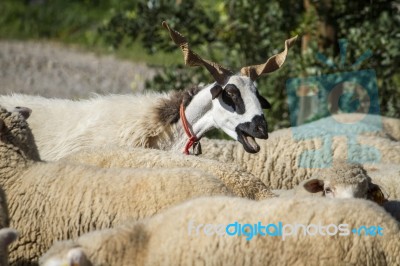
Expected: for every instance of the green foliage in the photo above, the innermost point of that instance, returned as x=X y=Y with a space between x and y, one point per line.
x=143 y=23
x=247 y=32
x=56 y=19
x=373 y=25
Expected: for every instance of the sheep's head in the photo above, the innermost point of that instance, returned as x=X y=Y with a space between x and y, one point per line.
x=15 y=131
x=237 y=107
x=344 y=181
x=332 y=188
x=340 y=181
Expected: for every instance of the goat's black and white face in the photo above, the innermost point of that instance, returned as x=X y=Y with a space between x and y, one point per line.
x=236 y=106
x=238 y=111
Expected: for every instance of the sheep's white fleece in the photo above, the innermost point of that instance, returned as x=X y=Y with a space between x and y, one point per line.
x=278 y=162
x=174 y=238
x=355 y=178
x=373 y=125
x=298 y=191
x=54 y=201
x=64 y=126
x=341 y=176
x=386 y=176
x=240 y=182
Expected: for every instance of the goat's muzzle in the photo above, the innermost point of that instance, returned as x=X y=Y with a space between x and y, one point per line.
x=248 y=131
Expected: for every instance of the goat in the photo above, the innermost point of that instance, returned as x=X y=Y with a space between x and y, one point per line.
x=153 y=120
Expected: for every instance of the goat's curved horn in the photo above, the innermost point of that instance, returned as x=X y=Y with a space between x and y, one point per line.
x=219 y=73
x=273 y=63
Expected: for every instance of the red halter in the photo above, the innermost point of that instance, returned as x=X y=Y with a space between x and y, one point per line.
x=192 y=138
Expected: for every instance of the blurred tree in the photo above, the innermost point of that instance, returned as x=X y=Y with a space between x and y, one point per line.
x=237 y=33
x=375 y=26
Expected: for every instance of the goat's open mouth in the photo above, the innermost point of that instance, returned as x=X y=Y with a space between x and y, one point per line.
x=249 y=143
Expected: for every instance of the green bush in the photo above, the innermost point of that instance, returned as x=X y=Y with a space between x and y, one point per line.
x=238 y=33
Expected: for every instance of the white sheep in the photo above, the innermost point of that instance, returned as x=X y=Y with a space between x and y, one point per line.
x=53 y=201
x=340 y=181
x=167 y=121
x=240 y=182
x=284 y=161
x=235 y=231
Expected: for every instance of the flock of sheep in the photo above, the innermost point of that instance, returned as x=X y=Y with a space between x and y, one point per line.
x=105 y=181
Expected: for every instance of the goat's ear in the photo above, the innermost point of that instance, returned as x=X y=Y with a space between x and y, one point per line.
x=264 y=103
x=314 y=185
x=24 y=111
x=215 y=91
x=375 y=194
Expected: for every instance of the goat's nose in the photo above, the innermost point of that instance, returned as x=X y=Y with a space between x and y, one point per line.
x=262 y=132
x=260 y=127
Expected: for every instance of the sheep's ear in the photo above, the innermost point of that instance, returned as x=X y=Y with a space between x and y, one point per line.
x=215 y=91
x=264 y=102
x=314 y=185
x=24 y=111
x=376 y=195
x=76 y=257
x=7 y=236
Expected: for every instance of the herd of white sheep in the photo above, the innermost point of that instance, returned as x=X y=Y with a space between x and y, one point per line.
x=132 y=206
x=105 y=181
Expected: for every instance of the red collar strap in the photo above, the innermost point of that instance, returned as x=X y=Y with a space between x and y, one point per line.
x=193 y=140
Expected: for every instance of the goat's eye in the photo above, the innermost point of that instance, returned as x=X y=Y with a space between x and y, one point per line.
x=328 y=190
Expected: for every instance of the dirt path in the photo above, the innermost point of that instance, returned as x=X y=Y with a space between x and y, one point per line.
x=52 y=70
